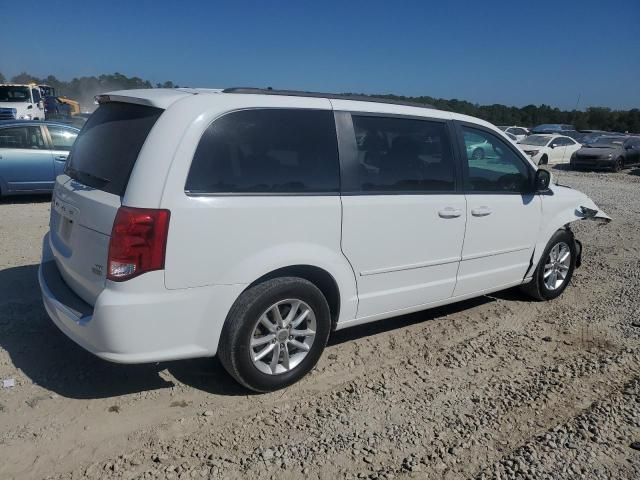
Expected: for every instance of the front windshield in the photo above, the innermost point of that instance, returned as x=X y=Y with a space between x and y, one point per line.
x=603 y=141
x=14 y=94
x=536 y=140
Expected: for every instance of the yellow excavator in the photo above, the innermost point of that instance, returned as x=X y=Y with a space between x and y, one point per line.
x=49 y=91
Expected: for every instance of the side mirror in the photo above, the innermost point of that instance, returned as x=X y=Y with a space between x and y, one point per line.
x=553 y=145
x=541 y=180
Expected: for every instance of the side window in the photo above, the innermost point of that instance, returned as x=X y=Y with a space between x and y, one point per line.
x=518 y=131
x=267 y=151
x=62 y=138
x=563 y=142
x=22 y=137
x=36 y=95
x=493 y=165
x=402 y=154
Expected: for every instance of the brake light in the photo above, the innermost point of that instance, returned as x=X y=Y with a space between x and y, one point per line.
x=138 y=242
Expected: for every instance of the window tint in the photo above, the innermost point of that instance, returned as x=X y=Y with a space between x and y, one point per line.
x=401 y=154
x=22 y=137
x=493 y=165
x=108 y=145
x=62 y=138
x=36 y=95
x=562 y=142
x=518 y=131
x=267 y=151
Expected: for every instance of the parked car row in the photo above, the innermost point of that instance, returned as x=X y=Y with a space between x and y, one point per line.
x=562 y=143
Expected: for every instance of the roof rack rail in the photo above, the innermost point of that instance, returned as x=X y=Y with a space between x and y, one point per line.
x=333 y=96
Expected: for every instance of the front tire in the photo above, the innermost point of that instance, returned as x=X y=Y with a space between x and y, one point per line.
x=555 y=267
x=618 y=165
x=275 y=333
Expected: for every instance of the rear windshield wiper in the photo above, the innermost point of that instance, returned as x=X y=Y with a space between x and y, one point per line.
x=77 y=174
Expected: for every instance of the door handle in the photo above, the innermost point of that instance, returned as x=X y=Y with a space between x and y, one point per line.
x=481 y=211
x=61 y=158
x=449 y=212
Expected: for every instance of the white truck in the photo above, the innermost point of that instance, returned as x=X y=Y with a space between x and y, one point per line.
x=21 y=102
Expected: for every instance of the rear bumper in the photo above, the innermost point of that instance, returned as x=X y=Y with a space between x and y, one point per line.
x=138 y=321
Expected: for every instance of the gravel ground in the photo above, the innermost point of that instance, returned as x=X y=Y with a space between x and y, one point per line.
x=498 y=387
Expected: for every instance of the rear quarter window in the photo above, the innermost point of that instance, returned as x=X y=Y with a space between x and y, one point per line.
x=108 y=146
x=267 y=151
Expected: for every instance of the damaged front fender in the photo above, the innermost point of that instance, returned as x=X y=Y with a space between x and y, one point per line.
x=560 y=207
x=587 y=213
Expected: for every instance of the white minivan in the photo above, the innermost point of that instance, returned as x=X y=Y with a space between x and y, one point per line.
x=250 y=224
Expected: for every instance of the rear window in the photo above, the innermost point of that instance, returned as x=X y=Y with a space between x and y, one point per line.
x=106 y=150
x=267 y=151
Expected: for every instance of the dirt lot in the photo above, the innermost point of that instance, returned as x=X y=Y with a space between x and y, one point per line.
x=498 y=387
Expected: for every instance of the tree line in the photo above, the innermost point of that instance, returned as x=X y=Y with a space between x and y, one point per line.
x=593 y=118
x=83 y=89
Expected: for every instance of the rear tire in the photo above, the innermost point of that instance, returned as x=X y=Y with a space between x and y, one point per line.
x=553 y=272
x=259 y=350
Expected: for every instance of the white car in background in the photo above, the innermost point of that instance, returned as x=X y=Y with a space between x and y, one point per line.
x=546 y=149
x=519 y=132
x=478 y=148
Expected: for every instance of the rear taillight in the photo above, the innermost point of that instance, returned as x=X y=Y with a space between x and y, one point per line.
x=138 y=242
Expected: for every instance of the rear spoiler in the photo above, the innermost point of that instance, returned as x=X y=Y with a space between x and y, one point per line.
x=149 y=97
x=100 y=99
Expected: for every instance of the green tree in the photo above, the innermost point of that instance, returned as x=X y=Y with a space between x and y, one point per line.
x=24 y=77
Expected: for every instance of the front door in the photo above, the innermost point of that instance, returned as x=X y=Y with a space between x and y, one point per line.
x=25 y=160
x=502 y=220
x=403 y=221
x=556 y=150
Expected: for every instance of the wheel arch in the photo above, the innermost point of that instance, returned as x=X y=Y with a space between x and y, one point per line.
x=562 y=221
x=320 y=277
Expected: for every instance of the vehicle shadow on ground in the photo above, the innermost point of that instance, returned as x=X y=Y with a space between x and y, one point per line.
x=45 y=355
x=20 y=199
x=635 y=171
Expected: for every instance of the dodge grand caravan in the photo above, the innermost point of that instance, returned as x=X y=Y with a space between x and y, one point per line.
x=250 y=224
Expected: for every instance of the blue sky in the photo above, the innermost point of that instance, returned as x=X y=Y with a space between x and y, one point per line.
x=509 y=52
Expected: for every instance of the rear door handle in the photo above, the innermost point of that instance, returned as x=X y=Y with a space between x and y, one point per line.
x=449 y=212
x=481 y=211
x=61 y=158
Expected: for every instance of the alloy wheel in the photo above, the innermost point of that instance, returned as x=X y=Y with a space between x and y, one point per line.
x=557 y=266
x=283 y=336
